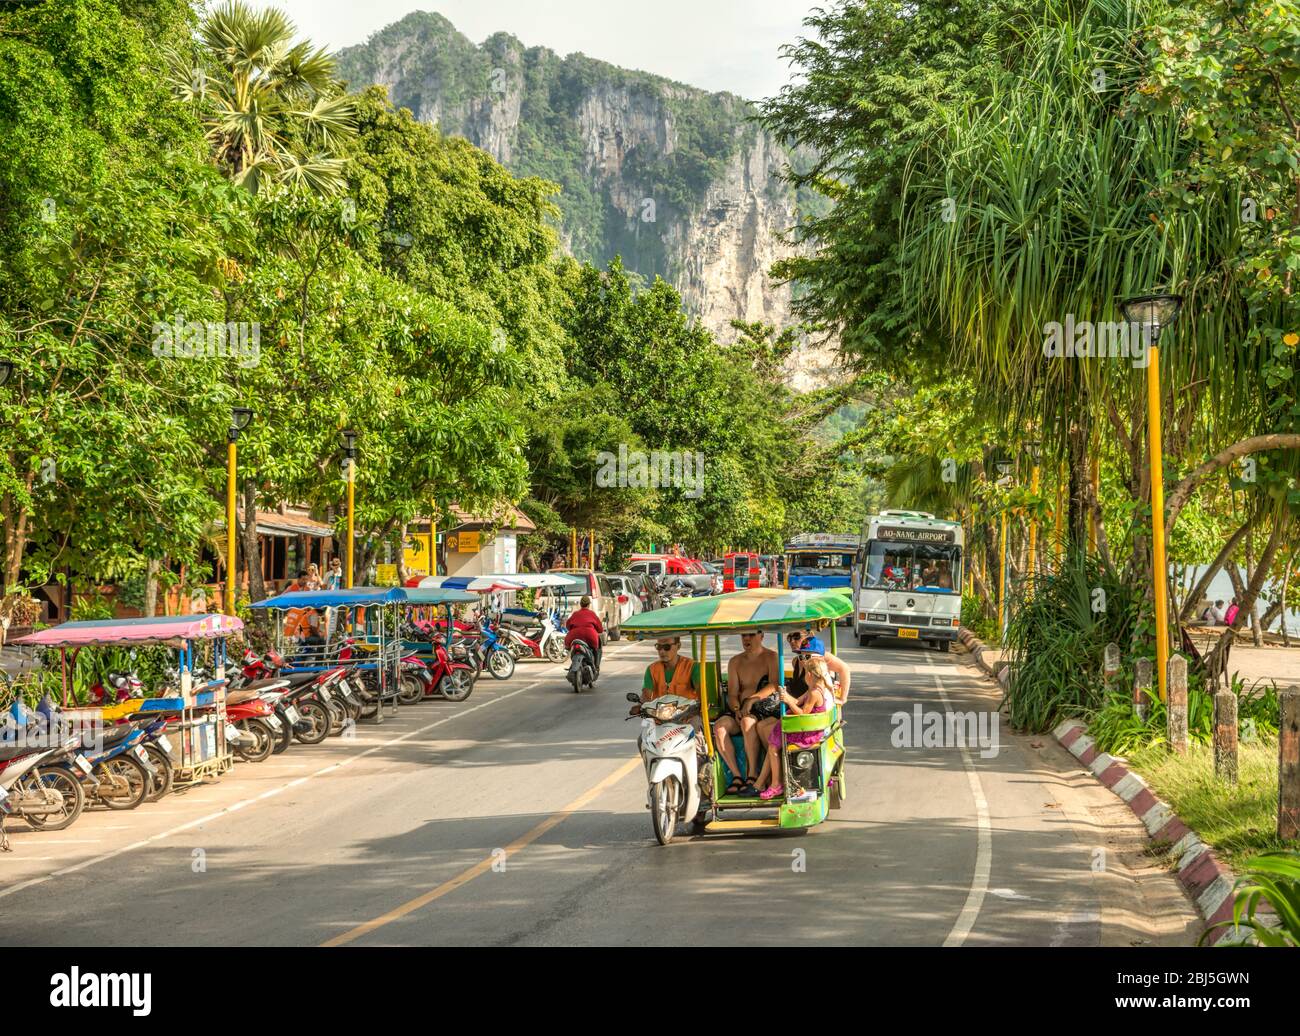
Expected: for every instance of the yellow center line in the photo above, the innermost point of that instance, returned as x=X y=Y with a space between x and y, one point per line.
x=466 y=876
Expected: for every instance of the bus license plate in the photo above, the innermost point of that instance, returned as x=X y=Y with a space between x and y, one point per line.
x=909 y=634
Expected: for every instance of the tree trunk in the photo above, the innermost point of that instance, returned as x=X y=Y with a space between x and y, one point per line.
x=252 y=546
x=151 y=588
x=1080 y=486
x=1214 y=665
x=402 y=575
x=1256 y=636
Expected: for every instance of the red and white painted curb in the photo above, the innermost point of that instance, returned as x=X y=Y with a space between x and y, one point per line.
x=1207 y=881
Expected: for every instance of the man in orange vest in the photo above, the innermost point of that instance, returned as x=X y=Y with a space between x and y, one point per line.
x=673 y=673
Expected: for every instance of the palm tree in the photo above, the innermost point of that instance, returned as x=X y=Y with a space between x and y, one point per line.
x=272 y=109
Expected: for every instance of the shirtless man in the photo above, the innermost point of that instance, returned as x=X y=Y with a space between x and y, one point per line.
x=752 y=680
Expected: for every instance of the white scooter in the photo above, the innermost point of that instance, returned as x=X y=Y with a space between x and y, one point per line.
x=667 y=746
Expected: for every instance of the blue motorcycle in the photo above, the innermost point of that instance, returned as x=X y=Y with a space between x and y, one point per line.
x=491 y=652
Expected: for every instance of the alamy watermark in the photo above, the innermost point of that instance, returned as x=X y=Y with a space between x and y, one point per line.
x=654 y=470
x=1084 y=339
x=205 y=339
x=923 y=728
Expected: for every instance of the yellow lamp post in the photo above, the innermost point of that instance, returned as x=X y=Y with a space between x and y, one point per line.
x=1153 y=313
x=1005 y=478
x=349 y=438
x=573 y=547
x=240 y=417
x=1034 y=449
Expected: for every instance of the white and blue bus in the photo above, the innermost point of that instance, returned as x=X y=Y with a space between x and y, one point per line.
x=908 y=579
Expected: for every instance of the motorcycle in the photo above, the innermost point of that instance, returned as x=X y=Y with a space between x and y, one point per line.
x=583 y=667
x=492 y=653
x=49 y=799
x=543 y=640
x=668 y=748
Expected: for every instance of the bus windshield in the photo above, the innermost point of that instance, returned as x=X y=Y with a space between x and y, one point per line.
x=815 y=563
x=909 y=566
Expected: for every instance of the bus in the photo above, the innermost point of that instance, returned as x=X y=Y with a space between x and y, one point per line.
x=908 y=579
x=820 y=560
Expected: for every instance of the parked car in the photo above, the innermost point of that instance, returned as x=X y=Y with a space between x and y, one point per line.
x=604 y=598
x=645 y=588
x=667 y=568
x=629 y=601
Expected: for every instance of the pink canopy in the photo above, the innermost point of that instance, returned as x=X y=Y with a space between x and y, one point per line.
x=171 y=629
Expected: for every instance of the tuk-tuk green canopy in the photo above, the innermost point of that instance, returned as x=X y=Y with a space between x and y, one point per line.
x=767 y=608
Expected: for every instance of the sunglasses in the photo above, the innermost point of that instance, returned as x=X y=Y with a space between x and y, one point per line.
x=664 y=647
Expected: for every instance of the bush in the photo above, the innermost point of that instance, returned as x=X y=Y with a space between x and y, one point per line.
x=1273 y=879
x=1057 y=637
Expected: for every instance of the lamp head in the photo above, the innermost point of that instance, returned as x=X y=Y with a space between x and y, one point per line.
x=1152 y=311
x=240 y=418
x=349 y=438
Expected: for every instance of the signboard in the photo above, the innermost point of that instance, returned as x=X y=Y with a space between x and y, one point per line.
x=897 y=534
x=466 y=543
x=386 y=575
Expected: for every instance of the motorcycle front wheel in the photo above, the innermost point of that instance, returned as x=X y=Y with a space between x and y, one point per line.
x=128 y=769
x=410 y=689
x=501 y=664
x=315 y=713
x=663 y=808
x=74 y=799
x=263 y=741
x=457 y=685
x=160 y=783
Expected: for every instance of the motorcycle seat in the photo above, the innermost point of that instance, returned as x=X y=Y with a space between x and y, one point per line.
x=8 y=752
x=246 y=693
x=112 y=735
x=298 y=679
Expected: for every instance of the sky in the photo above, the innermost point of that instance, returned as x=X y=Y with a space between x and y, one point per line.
x=715 y=44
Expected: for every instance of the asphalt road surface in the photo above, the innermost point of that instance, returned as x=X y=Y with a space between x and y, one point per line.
x=518 y=817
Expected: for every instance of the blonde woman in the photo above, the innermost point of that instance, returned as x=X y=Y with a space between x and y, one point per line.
x=313 y=581
x=816 y=698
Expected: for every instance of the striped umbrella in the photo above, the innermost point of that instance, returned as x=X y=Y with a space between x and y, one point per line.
x=768 y=608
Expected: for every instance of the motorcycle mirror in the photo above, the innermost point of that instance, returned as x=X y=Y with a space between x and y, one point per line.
x=633 y=697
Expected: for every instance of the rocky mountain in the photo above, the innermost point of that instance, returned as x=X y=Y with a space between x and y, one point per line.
x=680 y=182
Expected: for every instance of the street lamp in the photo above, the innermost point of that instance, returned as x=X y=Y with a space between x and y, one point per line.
x=240 y=418
x=1035 y=450
x=349 y=438
x=1005 y=468
x=6 y=368
x=1154 y=313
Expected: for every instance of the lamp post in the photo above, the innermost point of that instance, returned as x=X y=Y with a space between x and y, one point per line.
x=349 y=438
x=1034 y=449
x=1153 y=313
x=1004 y=469
x=240 y=418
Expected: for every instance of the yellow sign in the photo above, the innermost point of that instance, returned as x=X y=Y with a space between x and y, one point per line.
x=468 y=543
x=386 y=575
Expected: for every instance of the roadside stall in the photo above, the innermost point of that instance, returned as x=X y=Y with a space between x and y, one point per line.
x=361 y=632
x=198 y=735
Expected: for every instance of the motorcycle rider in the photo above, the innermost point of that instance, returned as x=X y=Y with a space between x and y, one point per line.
x=585 y=625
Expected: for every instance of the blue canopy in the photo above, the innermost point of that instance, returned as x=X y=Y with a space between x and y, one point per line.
x=359 y=596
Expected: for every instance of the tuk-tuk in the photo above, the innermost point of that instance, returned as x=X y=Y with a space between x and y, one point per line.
x=818 y=771
x=741 y=570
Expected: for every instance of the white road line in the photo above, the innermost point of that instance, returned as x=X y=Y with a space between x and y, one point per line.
x=207 y=818
x=984 y=844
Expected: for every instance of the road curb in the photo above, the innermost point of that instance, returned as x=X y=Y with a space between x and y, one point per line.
x=1207 y=882
x=999 y=673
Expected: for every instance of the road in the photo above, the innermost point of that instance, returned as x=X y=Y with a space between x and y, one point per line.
x=518 y=817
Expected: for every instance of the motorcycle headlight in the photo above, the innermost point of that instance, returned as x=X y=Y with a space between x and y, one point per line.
x=803 y=760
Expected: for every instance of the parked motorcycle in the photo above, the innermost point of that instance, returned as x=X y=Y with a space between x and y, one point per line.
x=34 y=788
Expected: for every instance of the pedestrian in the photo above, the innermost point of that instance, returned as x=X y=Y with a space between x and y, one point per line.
x=313 y=581
x=334 y=577
x=1230 y=616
